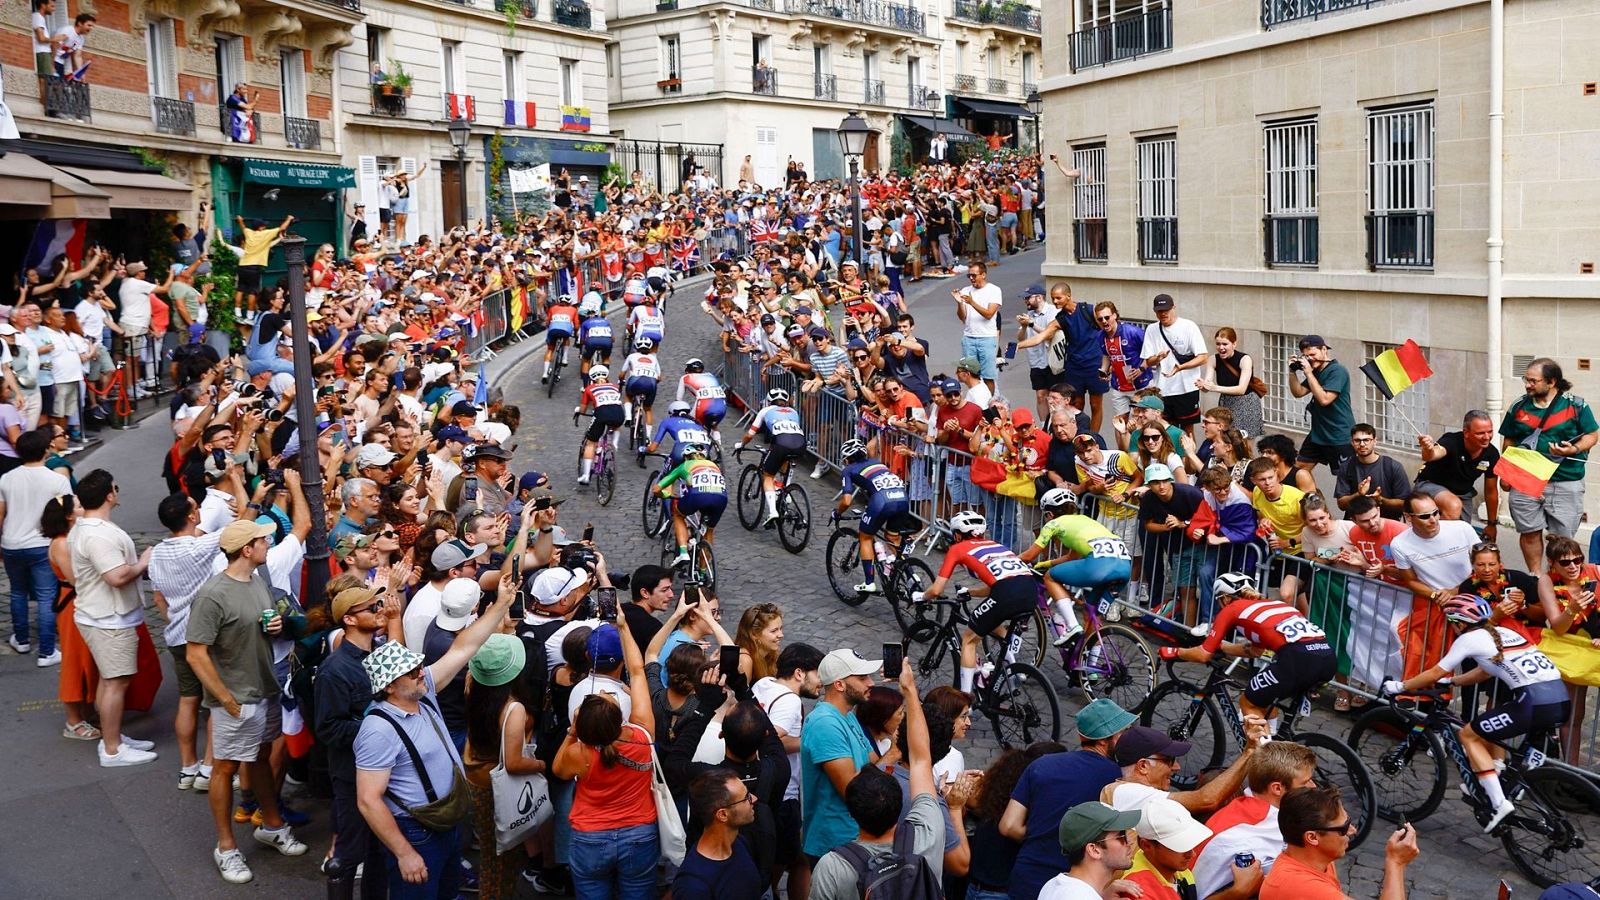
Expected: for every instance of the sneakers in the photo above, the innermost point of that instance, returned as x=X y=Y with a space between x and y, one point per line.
x=202 y=781
x=1500 y=812
x=291 y=816
x=126 y=755
x=820 y=469
x=22 y=648
x=186 y=778
x=544 y=882
x=54 y=659
x=583 y=480
x=231 y=866
x=682 y=559
x=867 y=587
x=137 y=744
x=82 y=731
x=1066 y=636
x=281 y=840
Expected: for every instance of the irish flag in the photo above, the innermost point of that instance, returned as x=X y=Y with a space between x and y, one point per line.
x=1392 y=371
x=1525 y=471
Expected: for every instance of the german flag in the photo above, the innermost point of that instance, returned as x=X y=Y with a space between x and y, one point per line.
x=1392 y=371
x=1525 y=471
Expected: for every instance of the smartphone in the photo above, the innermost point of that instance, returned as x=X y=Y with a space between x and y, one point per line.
x=991 y=415
x=894 y=656
x=1011 y=350
x=588 y=533
x=728 y=660
x=691 y=594
x=606 y=603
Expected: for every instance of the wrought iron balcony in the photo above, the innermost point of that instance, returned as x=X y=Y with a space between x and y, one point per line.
x=352 y=5
x=1290 y=240
x=1089 y=240
x=64 y=99
x=1158 y=240
x=305 y=134
x=388 y=104
x=172 y=116
x=762 y=4
x=967 y=84
x=866 y=12
x=999 y=86
x=572 y=13
x=528 y=9
x=1028 y=88
x=827 y=88
x=764 y=80
x=666 y=5
x=923 y=97
x=1122 y=39
x=1400 y=240
x=872 y=92
x=460 y=106
x=1007 y=13
x=225 y=117
x=1278 y=12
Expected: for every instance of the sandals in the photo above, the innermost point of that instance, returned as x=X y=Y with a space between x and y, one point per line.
x=82 y=731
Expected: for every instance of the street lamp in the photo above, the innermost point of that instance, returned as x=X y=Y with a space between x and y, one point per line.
x=1036 y=106
x=853 y=132
x=460 y=133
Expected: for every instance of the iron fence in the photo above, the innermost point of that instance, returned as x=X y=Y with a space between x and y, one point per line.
x=172 y=116
x=1400 y=240
x=764 y=80
x=1277 y=12
x=866 y=12
x=572 y=13
x=1010 y=15
x=1122 y=39
x=1291 y=240
x=65 y=98
x=305 y=134
x=826 y=87
x=872 y=92
x=667 y=165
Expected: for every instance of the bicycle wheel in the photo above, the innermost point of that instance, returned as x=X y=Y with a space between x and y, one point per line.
x=555 y=371
x=844 y=566
x=1115 y=662
x=750 y=499
x=911 y=575
x=1339 y=766
x=1022 y=707
x=705 y=566
x=640 y=436
x=654 y=511
x=1554 y=836
x=1408 y=767
x=1031 y=650
x=794 y=518
x=605 y=482
x=1173 y=709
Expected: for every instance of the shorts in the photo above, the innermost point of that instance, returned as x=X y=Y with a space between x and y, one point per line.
x=1536 y=707
x=597 y=350
x=1294 y=670
x=604 y=417
x=1331 y=455
x=641 y=390
x=68 y=394
x=709 y=506
x=100 y=365
x=1090 y=382
x=1118 y=402
x=188 y=682
x=1007 y=220
x=1042 y=379
x=249 y=279
x=44 y=64
x=983 y=350
x=1096 y=571
x=894 y=515
x=115 y=650
x=1008 y=598
x=385 y=215
x=555 y=334
x=787 y=847
x=1469 y=500
x=1558 y=511
x=240 y=739
x=790 y=447
x=1182 y=409
x=710 y=413
x=401 y=206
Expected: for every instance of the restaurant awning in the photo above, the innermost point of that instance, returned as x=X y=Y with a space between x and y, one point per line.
x=136 y=190
x=995 y=108
x=48 y=192
x=945 y=127
x=297 y=174
x=25 y=181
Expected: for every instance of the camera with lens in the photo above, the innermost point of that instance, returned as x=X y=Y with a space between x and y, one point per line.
x=1296 y=365
x=274 y=478
x=578 y=556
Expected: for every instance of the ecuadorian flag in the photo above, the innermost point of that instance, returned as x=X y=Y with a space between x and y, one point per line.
x=1392 y=371
x=574 y=118
x=1524 y=470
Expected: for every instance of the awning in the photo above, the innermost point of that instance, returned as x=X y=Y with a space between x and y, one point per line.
x=579 y=158
x=136 y=190
x=995 y=108
x=941 y=126
x=50 y=192
x=298 y=174
x=26 y=181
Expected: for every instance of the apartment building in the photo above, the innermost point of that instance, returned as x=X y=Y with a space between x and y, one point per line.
x=772 y=79
x=1296 y=166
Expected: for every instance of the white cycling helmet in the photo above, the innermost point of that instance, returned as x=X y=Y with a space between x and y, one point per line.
x=1059 y=502
x=852 y=451
x=968 y=522
x=599 y=373
x=694 y=450
x=644 y=345
x=777 y=397
x=679 y=408
x=1232 y=583
x=694 y=365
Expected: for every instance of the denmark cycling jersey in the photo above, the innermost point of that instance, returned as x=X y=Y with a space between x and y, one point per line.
x=683 y=431
x=1083 y=536
x=776 y=422
x=602 y=393
x=1522 y=665
x=989 y=561
x=874 y=478
x=648 y=322
x=563 y=318
x=640 y=365
x=1267 y=623
x=595 y=330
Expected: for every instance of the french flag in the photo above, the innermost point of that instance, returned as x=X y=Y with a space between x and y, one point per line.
x=53 y=237
x=461 y=106
x=520 y=114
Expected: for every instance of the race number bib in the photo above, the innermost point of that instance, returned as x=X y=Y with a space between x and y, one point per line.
x=1004 y=565
x=692 y=436
x=646 y=369
x=600 y=330
x=884 y=482
x=1108 y=548
x=1297 y=629
x=706 y=481
x=710 y=392
x=786 y=427
x=561 y=321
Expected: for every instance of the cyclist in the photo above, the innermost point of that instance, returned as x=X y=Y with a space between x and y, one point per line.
x=659 y=278
x=786 y=442
x=635 y=290
x=646 y=321
x=561 y=325
x=594 y=335
x=887 y=505
x=606 y=399
x=1538 y=697
x=1096 y=558
x=682 y=428
x=639 y=374
x=710 y=401
x=1302 y=658
x=704 y=492
x=1008 y=586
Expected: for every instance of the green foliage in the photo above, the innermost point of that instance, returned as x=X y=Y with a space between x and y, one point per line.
x=510 y=9
x=398 y=76
x=900 y=153
x=497 y=169
x=161 y=255
x=613 y=175
x=150 y=159
x=224 y=279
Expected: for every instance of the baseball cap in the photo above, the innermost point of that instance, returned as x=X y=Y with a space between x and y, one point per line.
x=1102 y=719
x=463 y=408
x=1020 y=416
x=390 y=661
x=767 y=319
x=240 y=532
x=1141 y=741
x=1152 y=402
x=454 y=433
x=794 y=331
x=458 y=603
x=1086 y=822
x=842 y=664
x=1312 y=340
x=453 y=553
x=350 y=543
x=349 y=598
x=136 y=268
x=544 y=498
x=804 y=311
x=1169 y=824
x=1034 y=289
x=1157 y=472
x=499 y=660
x=820 y=334
x=375 y=455
x=969 y=364
x=550 y=585
x=531 y=480
x=1162 y=303
x=6 y=329
x=605 y=646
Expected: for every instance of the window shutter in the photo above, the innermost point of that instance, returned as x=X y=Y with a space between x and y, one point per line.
x=367 y=180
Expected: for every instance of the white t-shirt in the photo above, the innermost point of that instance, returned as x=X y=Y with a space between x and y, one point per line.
x=66 y=364
x=1522 y=665
x=71 y=42
x=948 y=769
x=1325 y=548
x=599 y=684
x=25 y=490
x=1443 y=561
x=1129 y=796
x=423 y=608
x=786 y=711
x=135 y=297
x=1065 y=887
x=216 y=511
x=1185 y=339
x=976 y=325
x=979 y=394
x=92 y=319
x=37 y=23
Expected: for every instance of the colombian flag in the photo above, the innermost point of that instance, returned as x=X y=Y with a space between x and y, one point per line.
x=1526 y=471
x=574 y=118
x=1392 y=371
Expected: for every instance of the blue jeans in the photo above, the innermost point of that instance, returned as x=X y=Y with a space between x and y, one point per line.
x=978 y=893
x=440 y=852
x=992 y=238
x=561 y=793
x=615 y=864
x=32 y=579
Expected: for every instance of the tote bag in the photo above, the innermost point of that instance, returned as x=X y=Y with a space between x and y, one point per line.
x=521 y=802
x=669 y=825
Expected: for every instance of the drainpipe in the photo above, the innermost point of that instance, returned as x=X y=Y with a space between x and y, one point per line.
x=1494 y=401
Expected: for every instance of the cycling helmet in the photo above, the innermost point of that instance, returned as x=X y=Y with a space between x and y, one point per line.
x=1059 y=502
x=777 y=397
x=694 y=365
x=599 y=373
x=968 y=522
x=1232 y=583
x=852 y=450
x=644 y=345
x=1466 y=609
x=678 y=408
x=694 y=450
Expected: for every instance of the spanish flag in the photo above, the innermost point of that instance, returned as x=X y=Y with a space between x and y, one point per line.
x=1525 y=471
x=1392 y=371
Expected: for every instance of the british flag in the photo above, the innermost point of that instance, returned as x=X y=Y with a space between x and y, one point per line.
x=685 y=254
x=763 y=231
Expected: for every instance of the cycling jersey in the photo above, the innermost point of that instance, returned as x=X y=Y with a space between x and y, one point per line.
x=777 y=423
x=700 y=477
x=875 y=479
x=641 y=365
x=989 y=561
x=648 y=322
x=682 y=431
x=601 y=394
x=636 y=291
x=1522 y=664
x=1267 y=623
x=595 y=332
x=703 y=386
x=563 y=319
x=1083 y=536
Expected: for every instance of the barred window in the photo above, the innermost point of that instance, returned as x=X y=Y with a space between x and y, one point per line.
x=1291 y=192
x=1089 y=203
x=1400 y=188
x=1394 y=418
x=1279 y=407
x=1158 y=199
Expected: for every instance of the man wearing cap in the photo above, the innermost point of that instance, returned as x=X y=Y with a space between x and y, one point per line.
x=974 y=389
x=1326 y=381
x=833 y=748
x=1033 y=324
x=1164 y=514
x=1084 y=350
x=448 y=444
x=230 y=650
x=134 y=299
x=978 y=308
x=356 y=554
x=487 y=487
x=458 y=607
x=1095 y=842
x=604 y=650
x=361 y=503
x=1168 y=839
x=1149 y=759
x=451 y=559
x=375 y=462
x=1175 y=350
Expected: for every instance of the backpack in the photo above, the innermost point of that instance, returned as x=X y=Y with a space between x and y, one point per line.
x=548 y=724
x=898 y=875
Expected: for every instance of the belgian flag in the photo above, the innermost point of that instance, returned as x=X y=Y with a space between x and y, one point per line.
x=1392 y=371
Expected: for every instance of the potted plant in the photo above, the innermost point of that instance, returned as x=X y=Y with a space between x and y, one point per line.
x=399 y=78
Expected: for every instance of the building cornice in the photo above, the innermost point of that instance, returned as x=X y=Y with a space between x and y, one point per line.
x=1474 y=286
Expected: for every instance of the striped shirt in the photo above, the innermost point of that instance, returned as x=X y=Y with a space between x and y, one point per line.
x=178 y=567
x=824 y=364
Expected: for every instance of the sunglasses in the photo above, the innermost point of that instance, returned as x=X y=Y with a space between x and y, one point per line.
x=860 y=357
x=1570 y=561
x=1343 y=828
x=1149 y=437
x=1104 y=318
x=1482 y=546
x=1425 y=516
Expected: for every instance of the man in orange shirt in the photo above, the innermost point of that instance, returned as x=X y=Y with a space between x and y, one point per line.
x=1317 y=829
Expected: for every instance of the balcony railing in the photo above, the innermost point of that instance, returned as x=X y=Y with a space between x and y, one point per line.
x=1122 y=39
x=572 y=13
x=866 y=12
x=666 y=5
x=762 y=4
x=388 y=104
x=1277 y=12
x=352 y=5
x=305 y=134
x=764 y=80
x=1089 y=240
x=923 y=97
x=827 y=87
x=172 y=116
x=65 y=99
x=967 y=83
x=999 y=86
x=1007 y=13
x=872 y=92
x=225 y=117
x=1158 y=240
x=1028 y=88
x=1290 y=240
x=528 y=9
x=1400 y=240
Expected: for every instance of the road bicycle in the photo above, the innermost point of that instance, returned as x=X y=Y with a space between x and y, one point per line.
x=1553 y=837
x=603 y=475
x=639 y=433
x=1014 y=696
x=899 y=574
x=1196 y=712
x=558 y=361
x=653 y=509
x=702 y=567
x=794 y=504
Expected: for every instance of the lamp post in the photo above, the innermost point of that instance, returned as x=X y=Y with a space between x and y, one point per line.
x=460 y=133
x=853 y=133
x=1036 y=106
x=305 y=412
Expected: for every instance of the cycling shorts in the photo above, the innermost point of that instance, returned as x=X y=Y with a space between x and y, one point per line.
x=1096 y=571
x=604 y=416
x=710 y=413
x=895 y=515
x=641 y=390
x=1533 y=708
x=597 y=349
x=709 y=506
x=1008 y=598
x=1295 y=669
x=554 y=335
x=786 y=447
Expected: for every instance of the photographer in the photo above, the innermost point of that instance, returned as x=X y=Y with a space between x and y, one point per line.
x=1327 y=382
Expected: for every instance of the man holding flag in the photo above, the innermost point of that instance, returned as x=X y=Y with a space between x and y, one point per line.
x=1546 y=440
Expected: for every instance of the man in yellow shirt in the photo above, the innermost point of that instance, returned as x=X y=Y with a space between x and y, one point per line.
x=257 y=240
x=1278 y=503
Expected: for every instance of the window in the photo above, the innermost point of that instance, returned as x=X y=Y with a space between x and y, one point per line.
x=914 y=75
x=571 y=83
x=1291 y=192
x=449 y=58
x=162 y=50
x=292 y=75
x=670 y=55
x=511 y=76
x=821 y=60
x=760 y=49
x=1393 y=418
x=1400 y=188
x=1108 y=31
x=872 y=93
x=1279 y=407
x=230 y=63
x=1158 y=199
x=823 y=82
x=1089 y=203
x=992 y=61
x=1030 y=78
x=377 y=47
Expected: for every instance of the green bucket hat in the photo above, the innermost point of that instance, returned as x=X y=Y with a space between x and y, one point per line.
x=1102 y=719
x=499 y=660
